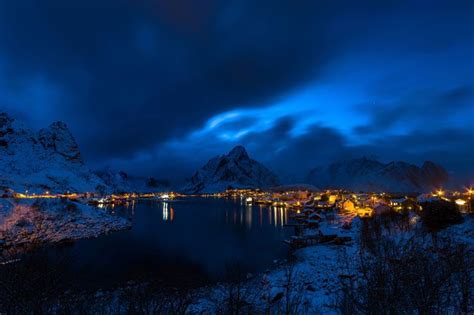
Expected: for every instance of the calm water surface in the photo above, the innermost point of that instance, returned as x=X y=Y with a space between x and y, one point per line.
x=183 y=240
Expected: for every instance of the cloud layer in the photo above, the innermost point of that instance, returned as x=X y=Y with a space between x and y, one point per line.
x=169 y=83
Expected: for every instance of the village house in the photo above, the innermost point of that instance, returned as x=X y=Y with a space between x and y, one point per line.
x=348 y=205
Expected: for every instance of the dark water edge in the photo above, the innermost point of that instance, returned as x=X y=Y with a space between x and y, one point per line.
x=182 y=243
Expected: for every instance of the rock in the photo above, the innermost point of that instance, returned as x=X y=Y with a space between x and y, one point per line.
x=342 y=240
x=277 y=297
x=58 y=140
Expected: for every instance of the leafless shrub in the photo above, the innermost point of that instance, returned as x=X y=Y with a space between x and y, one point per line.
x=240 y=298
x=153 y=297
x=30 y=284
x=410 y=277
x=34 y=285
x=437 y=215
x=374 y=228
x=293 y=290
x=258 y=296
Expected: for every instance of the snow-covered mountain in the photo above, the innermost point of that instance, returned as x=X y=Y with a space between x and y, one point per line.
x=235 y=169
x=48 y=160
x=370 y=175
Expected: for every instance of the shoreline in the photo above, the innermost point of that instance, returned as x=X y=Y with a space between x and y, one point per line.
x=28 y=222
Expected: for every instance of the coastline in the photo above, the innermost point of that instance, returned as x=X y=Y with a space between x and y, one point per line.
x=25 y=222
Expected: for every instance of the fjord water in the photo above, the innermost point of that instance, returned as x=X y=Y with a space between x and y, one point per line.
x=191 y=241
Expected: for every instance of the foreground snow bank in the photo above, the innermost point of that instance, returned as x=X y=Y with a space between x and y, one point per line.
x=54 y=220
x=311 y=284
x=305 y=284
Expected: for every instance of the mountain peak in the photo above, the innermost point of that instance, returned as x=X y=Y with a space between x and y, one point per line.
x=429 y=164
x=236 y=170
x=59 y=125
x=5 y=120
x=238 y=152
x=47 y=159
x=435 y=173
x=57 y=137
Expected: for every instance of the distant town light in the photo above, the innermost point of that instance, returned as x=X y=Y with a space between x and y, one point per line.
x=460 y=202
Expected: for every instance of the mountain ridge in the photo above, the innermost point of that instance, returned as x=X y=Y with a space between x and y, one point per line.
x=365 y=174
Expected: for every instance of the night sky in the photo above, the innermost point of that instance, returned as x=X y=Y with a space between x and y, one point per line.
x=158 y=87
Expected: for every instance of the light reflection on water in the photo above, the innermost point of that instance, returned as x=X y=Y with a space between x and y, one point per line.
x=192 y=238
x=276 y=216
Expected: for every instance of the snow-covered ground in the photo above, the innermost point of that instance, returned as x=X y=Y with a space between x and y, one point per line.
x=315 y=274
x=317 y=271
x=53 y=220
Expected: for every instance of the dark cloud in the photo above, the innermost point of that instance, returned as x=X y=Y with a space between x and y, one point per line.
x=294 y=157
x=453 y=148
x=419 y=107
x=133 y=78
x=138 y=72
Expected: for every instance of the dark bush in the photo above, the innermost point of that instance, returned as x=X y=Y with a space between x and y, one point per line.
x=439 y=214
x=30 y=285
x=375 y=227
x=409 y=277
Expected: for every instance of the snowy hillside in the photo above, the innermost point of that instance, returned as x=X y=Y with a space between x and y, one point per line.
x=235 y=169
x=53 y=220
x=48 y=160
x=369 y=175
